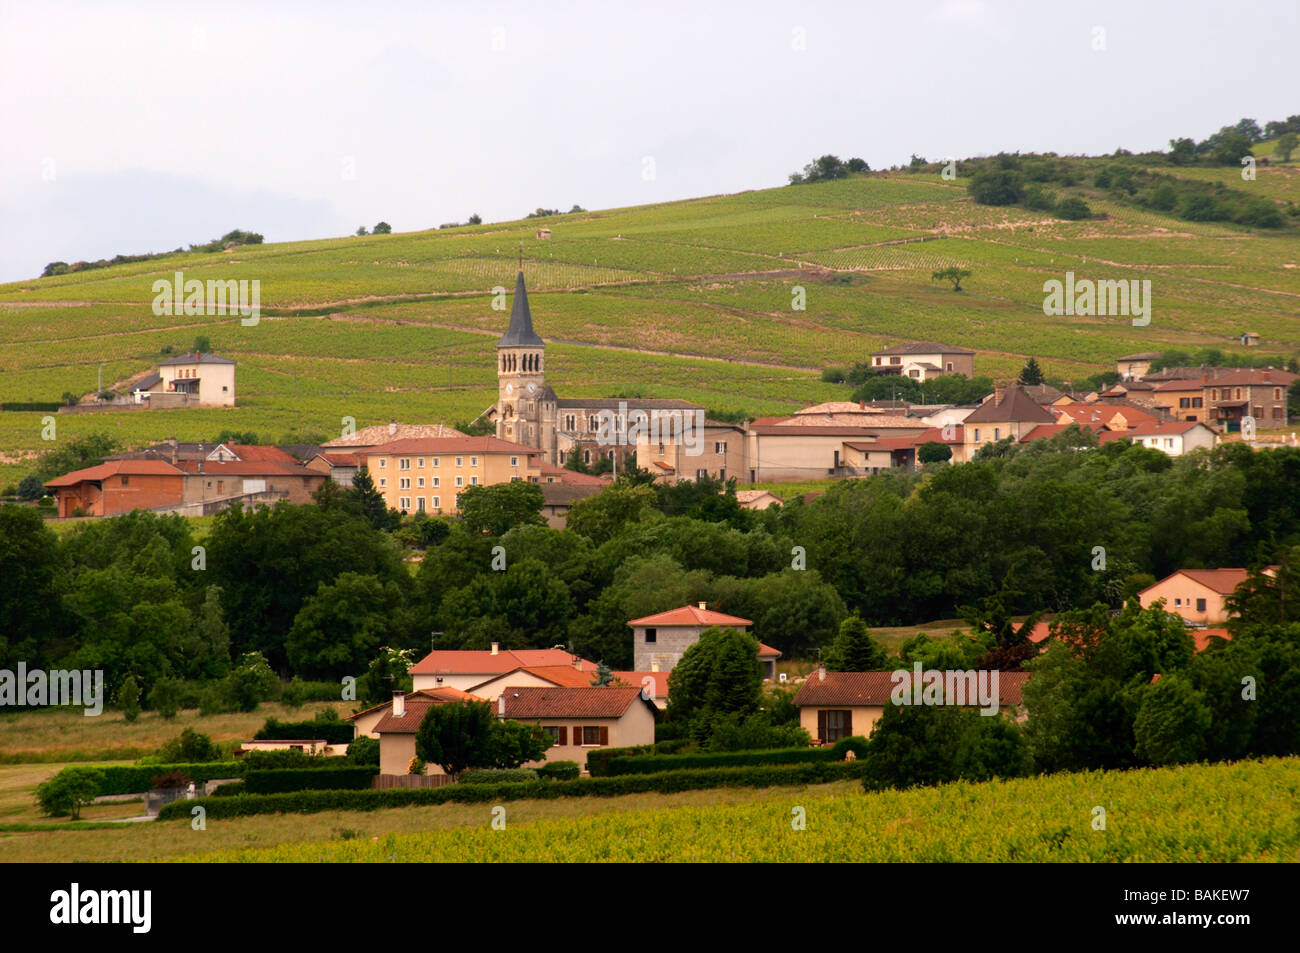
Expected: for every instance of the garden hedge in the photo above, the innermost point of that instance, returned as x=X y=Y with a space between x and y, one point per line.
x=498 y=775
x=669 y=782
x=137 y=778
x=624 y=762
x=279 y=781
x=335 y=732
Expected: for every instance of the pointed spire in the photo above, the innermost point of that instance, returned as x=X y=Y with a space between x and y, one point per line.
x=520 y=333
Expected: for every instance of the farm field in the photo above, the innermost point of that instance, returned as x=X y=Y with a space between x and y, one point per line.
x=692 y=299
x=1243 y=812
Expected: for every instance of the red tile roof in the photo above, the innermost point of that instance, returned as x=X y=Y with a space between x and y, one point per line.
x=852 y=689
x=417 y=706
x=443 y=693
x=1200 y=636
x=636 y=679
x=521 y=702
x=1255 y=378
x=341 y=459
x=565 y=676
x=572 y=477
x=690 y=615
x=115 y=468
x=252 y=452
x=766 y=651
x=474 y=662
x=1222 y=581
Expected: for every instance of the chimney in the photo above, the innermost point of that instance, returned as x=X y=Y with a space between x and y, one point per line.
x=862 y=405
x=399 y=704
x=999 y=391
x=703 y=606
x=392 y=428
x=821 y=672
x=501 y=705
x=496 y=648
x=577 y=663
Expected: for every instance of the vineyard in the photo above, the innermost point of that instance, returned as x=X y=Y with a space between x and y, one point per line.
x=1243 y=812
x=692 y=299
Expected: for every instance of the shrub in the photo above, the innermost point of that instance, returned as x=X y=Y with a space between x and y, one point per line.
x=190 y=746
x=170 y=779
x=1073 y=209
x=559 y=770
x=856 y=743
x=733 y=733
x=598 y=761
x=498 y=775
x=136 y=779
x=230 y=789
x=364 y=750
x=278 y=781
x=128 y=698
x=69 y=791
x=333 y=730
x=932 y=745
x=654 y=764
x=164 y=697
x=283 y=760
x=311 y=802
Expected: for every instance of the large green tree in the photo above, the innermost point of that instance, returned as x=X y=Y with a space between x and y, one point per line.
x=499 y=508
x=854 y=650
x=717 y=676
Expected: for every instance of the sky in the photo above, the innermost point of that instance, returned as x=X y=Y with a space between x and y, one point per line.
x=135 y=127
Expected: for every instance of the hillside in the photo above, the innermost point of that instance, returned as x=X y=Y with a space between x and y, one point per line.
x=689 y=299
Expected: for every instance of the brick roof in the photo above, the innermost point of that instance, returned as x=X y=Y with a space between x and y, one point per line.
x=590 y=702
x=1015 y=406
x=852 y=689
x=115 y=468
x=441 y=693
x=475 y=662
x=766 y=651
x=1098 y=414
x=341 y=459
x=1255 y=378
x=689 y=615
x=922 y=347
x=417 y=706
x=450 y=445
x=572 y=477
x=251 y=452
x=564 y=676
x=1222 y=581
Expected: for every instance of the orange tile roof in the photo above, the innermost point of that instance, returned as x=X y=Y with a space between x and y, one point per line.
x=522 y=702
x=874 y=689
x=252 y=452
x=766 y=651
x=441 y=693
x=417 y=706
x=475 y=662
x=636 y=679
x=114 y=468
x=1222 y=581
x=565 y=676
x=690 y=615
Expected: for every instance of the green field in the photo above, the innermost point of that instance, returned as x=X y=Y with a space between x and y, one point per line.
x=689 y=299
x=1249 y=811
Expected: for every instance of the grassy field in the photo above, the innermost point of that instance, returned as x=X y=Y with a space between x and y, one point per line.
x=691 y=299
x=1245 y=812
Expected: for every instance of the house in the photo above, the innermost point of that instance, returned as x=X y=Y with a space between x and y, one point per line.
x=715 y=450
x=316 y=746
x=367 y=720
x=418 y=475
x=1174 y=437
x=757 y=499
x=1109 y=416
x=1010 y=412
x=118 y=486
x=209 y=482
x=659 y=641
x=465 y=668
x=1182 y=399
x=397 y=723
x=205 y=380
x=543 y=234
x=339 y=466
x=922 y=360
x=577 y=675
x=1133 y=367
x=654 y=685
x=1201 y=638
x=1250 y=338
x=558 y=499
x=579 y=720
x=1259 y=394
x=1198 y=595
x=835 y=705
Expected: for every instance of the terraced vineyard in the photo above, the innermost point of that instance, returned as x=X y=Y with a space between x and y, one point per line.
x=690 y=299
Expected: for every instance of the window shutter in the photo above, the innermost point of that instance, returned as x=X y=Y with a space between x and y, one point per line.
x=821 y=724
x=564 y=735
x=604 y=735
x=848 y=722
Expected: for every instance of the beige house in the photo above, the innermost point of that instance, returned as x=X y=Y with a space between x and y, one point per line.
x=577 y=675
x=1132 y=367
x=1010 y=412
x=465 y=668
x=428 y=475
x=1174 y=437
x=205 y=379
x=1198 y=595
x=395 y=724
x=922 y=360
x=1182 y=400
x=580 y=720
x=716 y=450
x=757 y=499
x=835 y=705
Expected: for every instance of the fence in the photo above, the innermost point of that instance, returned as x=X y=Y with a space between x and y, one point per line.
x=383 y=782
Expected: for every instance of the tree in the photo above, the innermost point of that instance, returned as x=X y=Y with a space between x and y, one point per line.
x=1031 y=375
x=1073 y=209
x=601 y=517
x=518 y=743
x=996 y=187
x=364 y=750
x=604 y=676
x=251 y=683
x=475 y=219
x=1171 y=722
x=955 y=275
x=933 y=452
x=1249 y=129
x=457 y=736
x=1182 y=151
x=718 y=675
x=1229 y=148
x=1286 y=145
x=190 y=747
x=372 y=504
x=361 y=230
x=69 y=791
x=854 y=650
x=206 y=648
x=926 y=745
x=382 y=228
x=202 y=345
x=339 y=628
x=128 y=698
x=496 y=509
x=32 y=565
x=164 y=697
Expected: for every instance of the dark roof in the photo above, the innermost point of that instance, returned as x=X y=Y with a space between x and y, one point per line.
x=874 y=688
x=145 y=383
x=194 y=357
x=1140 y=356
x=521 y=702
x=520 y=333
x=1015 y=406
x=923 y=347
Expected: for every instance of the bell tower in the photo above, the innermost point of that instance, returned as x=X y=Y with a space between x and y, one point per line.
x=521 y=375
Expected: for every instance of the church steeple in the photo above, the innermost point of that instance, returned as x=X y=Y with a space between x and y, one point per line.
x=520 y=333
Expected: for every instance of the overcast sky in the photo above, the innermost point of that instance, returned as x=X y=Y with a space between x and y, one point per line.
x=136 y=127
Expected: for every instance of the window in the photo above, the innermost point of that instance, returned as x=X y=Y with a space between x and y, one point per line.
x=419 y=503
x=701 y=474
x=126 y=480
x=1178 y=601
x=404 y=483
x=473 y=481
x=1277 y=413
x=977 y=434
x=1277 y=393
x=1198 y=402
x=1214 y=393
x=1184 y=402
x=420 y=483
x=557 y=733
x=594 y=735
x=404 y=463
x=514 y=461
x=437 y=482
x=997 y=433
x=435 y=461
x=895 y=360
x=460 y=481
x=420 y=463
x=720 y=447
x=473 y=461
x=1237 y=394
x=460 y=461
x=949 y=366
x=834 y=724
x=404 y=503
x=1200 y=605
x=661 y=449
x=383 y=463
x=877 y=360
x=570 y=422
x=382 y=483
x=586 y=456
x=651 y=635
x=437 y=503
x=1259 y=413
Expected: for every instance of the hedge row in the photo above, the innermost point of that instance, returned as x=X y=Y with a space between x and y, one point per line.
x=335 y=732
x=623 y=762
x=669 y=782
x=498 y=776
x=138 y=778
x=279 y=781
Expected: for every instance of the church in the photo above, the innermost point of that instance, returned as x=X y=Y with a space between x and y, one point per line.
x=528 y=411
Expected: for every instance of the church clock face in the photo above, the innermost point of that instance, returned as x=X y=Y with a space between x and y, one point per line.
x=510 y=388
x=532 y=388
